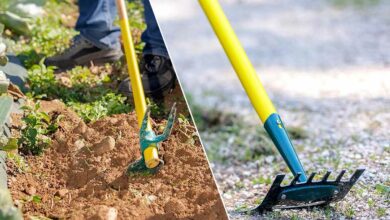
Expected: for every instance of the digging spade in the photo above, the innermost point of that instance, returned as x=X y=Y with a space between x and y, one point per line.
x=303 y=191
x=149 y=163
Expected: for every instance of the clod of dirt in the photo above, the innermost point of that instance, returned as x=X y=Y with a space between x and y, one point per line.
x=31 y=190
x=104 y=146
x=103 y=212
x=79 y=144
x=81 y=128
x=61 y=193
x=174 y=204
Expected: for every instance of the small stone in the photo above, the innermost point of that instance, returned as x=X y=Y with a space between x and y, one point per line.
x=227 y=196
x=89 y=134
x=104 y=146
x=31 y=191
x=81 y=128
x=61 y=193
x=113 y=120
x=105 y=213
x=150 y=199
x=79 y=144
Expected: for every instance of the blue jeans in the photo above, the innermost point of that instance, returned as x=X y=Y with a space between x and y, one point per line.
x=95 y=23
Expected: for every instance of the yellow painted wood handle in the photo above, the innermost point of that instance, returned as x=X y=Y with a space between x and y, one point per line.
x=150 y=153
x=132 y=65
x=238 y=58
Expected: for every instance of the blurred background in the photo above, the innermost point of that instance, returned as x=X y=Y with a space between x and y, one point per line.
x=326 y=66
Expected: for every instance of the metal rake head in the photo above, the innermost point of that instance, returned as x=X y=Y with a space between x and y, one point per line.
x=306 y=194
x=149 y=139
x=139 y=168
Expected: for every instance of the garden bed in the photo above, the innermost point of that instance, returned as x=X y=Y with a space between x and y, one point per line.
x=76 y=179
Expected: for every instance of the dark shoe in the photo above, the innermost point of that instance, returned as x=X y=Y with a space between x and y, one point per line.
x=157 y=77
x=82 y=53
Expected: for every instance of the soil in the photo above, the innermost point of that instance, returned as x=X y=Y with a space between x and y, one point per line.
x=76 y=179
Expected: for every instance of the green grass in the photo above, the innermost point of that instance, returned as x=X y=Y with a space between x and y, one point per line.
x=262 y=180
x=349 y=212
x=382 y=189
x=381 y=212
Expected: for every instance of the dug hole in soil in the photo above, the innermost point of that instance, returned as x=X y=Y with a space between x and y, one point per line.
x=81 y=175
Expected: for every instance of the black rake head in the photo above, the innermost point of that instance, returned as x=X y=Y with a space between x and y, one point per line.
x=307 y=194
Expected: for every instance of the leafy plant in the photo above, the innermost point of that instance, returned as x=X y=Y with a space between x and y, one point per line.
x=42 y=81
x=108 y=104
x=37 y=127
x=18 y=162
x=36 y=199
x=10 y=145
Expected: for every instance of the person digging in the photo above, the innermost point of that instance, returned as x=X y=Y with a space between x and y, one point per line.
x=98 y=42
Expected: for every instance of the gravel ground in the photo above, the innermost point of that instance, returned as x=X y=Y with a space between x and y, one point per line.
x=327 y=68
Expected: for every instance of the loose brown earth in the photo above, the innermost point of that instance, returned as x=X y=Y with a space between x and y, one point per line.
x=81 y=176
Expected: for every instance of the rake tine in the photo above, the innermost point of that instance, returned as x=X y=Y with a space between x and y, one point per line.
x=340 y=176
x=311 y=177
x=326 y=176
x=278 y=180
x=356 y=175
x=296 y=178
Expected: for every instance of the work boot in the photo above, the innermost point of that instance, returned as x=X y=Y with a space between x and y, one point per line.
x=157 y=77
x=82 y=52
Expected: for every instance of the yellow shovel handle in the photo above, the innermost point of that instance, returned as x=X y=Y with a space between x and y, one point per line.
x=150 y=153
x=238 y=58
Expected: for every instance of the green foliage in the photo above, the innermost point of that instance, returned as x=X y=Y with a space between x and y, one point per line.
x=381 y=212
x=156 y=110
x=38 y=126
x=4 y=4
x=349 y=212
x=36 y=199
x=12 y=144
x=108 y=104
x=135 y=12
x=382 y=189
x=18 y=161
x=42 y=82
x=262 y=180
x=241 y=208
x=83 y=76
x=48 y=35
x=85 y=94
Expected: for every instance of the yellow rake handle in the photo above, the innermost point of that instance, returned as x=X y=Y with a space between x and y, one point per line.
x=238 y=58
x=150 y=153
